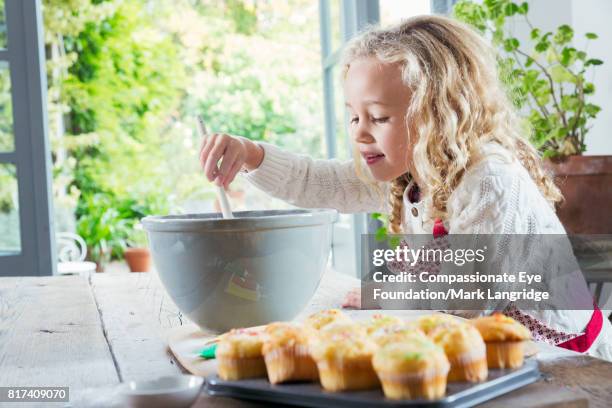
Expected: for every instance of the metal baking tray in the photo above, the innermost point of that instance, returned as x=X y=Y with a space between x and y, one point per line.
x=458 y=394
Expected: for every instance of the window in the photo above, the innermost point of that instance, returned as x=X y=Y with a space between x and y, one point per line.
x=393 y=11
x=343 y=19
x=25 y=230
x=442 y=6
x=347 y=18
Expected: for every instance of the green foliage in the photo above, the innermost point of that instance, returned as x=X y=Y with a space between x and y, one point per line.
x=547 y=77
x=382 y=233
x=120 y=79
x=6 y=112
x=125 y=81
x=102 y=226
x=127 y=77
x=8 y=188
x=108 y=223
x=244 y=81
x=244 y=16
x=137 y=237
x=8 y=177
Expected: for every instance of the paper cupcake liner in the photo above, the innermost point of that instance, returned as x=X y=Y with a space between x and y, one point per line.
x=237 y=368
x=429 y=373
x=413 y=386
x=505 y=354
x=469 y=366
x=290 y=363
x=347 y=374
x=476 y=353
x=473 y=371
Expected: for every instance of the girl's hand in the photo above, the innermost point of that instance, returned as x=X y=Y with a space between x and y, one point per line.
x=352 y=299
x=234 y=152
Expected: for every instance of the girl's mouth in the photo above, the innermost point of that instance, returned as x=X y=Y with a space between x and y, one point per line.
x=373 y=158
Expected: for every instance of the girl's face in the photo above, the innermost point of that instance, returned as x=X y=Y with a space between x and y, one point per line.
x=377 y=101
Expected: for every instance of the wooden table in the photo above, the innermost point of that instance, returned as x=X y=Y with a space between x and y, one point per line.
x=91 y=333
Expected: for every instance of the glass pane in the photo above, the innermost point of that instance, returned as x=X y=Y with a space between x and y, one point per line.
x=343 y=150
x=393 y=11
x=336 y=24
x=6 y=111
x=2 y=25
x=10 y=239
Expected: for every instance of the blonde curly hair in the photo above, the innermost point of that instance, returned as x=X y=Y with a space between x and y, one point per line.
x=457 y=104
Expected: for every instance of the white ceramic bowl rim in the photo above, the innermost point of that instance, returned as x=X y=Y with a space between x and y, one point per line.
x=243 y=221
x=163 y=385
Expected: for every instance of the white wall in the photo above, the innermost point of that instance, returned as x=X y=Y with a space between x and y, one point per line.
x=584 y=16
x=596 y=16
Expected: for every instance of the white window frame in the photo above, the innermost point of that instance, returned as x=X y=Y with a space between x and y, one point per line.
x=442 y=6
x=31 y=156
x=354 y=15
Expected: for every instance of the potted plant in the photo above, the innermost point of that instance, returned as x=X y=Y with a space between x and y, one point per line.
x=137 y=253
x=547 y=79
x=102 y=227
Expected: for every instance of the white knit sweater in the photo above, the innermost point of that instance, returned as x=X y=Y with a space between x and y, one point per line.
x=495 y=196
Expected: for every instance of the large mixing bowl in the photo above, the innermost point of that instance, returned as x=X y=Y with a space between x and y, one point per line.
x=259 y=267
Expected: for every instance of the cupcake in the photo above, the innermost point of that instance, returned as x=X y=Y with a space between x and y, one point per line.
x=379 y=321
x=239 y=355
x=324 y=317
x=504 y=338
x=285 y=351
x=343 y=353
x=465 y=350
x=412 y=368
x=429 y=322
x=396 y=333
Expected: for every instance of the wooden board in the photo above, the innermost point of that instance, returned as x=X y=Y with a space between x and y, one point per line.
x=185 y=343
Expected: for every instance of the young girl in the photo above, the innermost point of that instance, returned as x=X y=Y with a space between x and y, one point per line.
x=440 y=139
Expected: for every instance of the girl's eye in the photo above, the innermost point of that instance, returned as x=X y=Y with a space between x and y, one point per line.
x=355 y=120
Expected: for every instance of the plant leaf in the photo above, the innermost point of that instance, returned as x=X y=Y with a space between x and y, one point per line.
x=511 y=9
x=511 y=44
x=593 y=61
x=560 y=74
x=542 y=45
x=564 y=34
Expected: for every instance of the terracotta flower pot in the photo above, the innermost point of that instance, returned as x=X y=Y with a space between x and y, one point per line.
x=586 y=184
x=138 y=259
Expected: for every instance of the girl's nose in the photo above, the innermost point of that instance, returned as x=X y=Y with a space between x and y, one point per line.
x=362 y=134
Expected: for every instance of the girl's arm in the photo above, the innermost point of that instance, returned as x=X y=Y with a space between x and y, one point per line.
x=305 y=182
